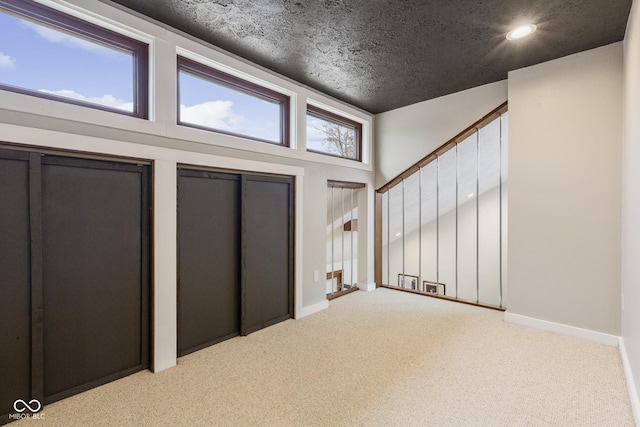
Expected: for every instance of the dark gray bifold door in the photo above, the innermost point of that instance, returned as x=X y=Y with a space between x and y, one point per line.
x=267 y=251
x=208 y=258
x=74 y=275
x=15 y=281
x=95 y=273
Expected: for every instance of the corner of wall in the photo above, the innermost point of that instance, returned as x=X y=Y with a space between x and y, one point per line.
x=631 y=384
x=367 y=287
x=630 y=342
x=311 y=309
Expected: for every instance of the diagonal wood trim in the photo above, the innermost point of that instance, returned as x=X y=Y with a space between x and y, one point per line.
x=341 y=293
x=461 y=301
x=488 y=118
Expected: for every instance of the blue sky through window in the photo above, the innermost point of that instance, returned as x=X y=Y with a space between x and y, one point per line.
x=330 y=137
x=40 y=58
x=316 y=138
x=206 y=103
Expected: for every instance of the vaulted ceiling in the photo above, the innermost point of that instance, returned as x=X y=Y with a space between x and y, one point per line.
x=379 y=55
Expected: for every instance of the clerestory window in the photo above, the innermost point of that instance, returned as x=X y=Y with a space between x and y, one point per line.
x=212 y=100
x=332 y=134
x=49 y=54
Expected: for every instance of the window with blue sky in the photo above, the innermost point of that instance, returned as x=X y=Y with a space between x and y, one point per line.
x=331 y=134
x=44 y=60
x=217 y=101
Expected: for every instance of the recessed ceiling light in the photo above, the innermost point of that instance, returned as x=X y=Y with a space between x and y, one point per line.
x=470 y=195
x=521 y=31
x=398 y=234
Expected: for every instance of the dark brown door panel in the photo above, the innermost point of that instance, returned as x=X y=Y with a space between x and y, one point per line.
x=15 y=282
x=92 y=253
x=74 y=275
x=208 y=259
x=267 y=248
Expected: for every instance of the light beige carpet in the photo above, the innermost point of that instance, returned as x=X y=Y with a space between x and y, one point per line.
x=384 y=358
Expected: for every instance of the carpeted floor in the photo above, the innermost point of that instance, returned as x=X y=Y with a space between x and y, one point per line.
x=383 y=358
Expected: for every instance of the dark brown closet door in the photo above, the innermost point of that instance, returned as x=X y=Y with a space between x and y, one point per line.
x=267 y=251
x=15 y=281
x=95 y=269
x=208 y=258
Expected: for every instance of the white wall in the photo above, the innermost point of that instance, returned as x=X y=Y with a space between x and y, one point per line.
x=631 y=205
x=405 y=135
x=45 y=123
x=564 y=246
x=565 y=190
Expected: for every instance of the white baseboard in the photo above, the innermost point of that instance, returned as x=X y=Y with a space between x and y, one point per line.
x=572 y=331
x=367 y=287
x=631 y=384
x=313 y=308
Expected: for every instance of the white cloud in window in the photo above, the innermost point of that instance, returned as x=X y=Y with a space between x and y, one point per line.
x=6 y=61
x=106 y=100
x=55 y=36
x=316 y=137
x=213 y=114
x=263 y=130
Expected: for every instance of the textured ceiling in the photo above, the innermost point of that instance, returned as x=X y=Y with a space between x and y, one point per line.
x=383 y=54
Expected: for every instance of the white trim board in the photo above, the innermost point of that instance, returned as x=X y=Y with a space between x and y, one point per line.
x=631 y=384
x=311 y=309
x=572 y=331
x=367 y=287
